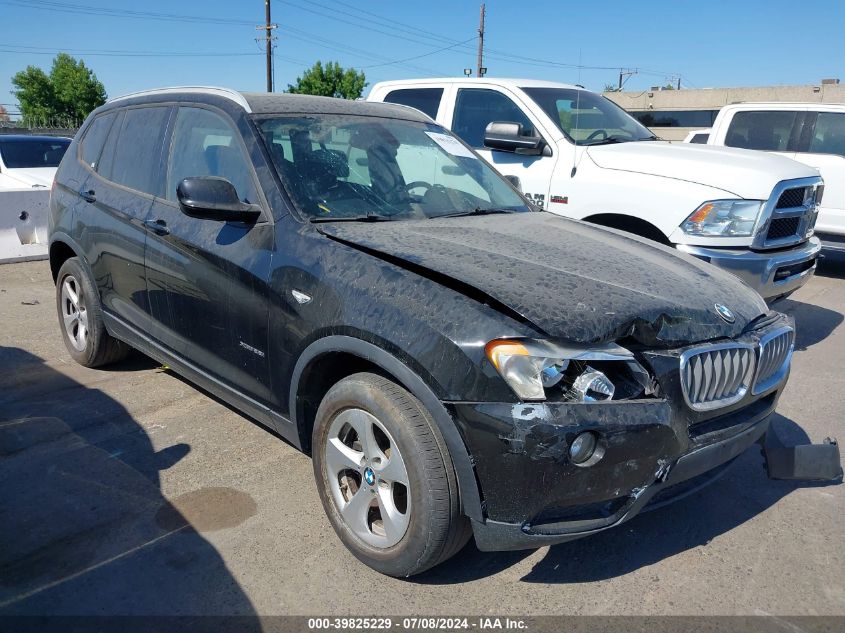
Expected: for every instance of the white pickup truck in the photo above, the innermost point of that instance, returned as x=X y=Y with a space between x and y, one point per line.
x=577 y=154
x=811 y=133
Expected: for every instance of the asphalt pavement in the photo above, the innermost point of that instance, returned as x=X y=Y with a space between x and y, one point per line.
x=129 y=491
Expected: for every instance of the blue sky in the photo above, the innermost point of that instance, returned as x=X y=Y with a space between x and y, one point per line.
x=708 y=43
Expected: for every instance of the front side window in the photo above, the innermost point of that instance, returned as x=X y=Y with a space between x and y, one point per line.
x=95 y=138
x=345 y=166
x=28 y=153
x=587 y=118
x=137 y=155
x=425 y=100
x=475 y=108
x=206 y=144
x=829 y=134
x=768 y=131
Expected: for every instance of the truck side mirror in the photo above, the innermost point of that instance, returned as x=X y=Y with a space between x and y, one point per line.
x=506 y=136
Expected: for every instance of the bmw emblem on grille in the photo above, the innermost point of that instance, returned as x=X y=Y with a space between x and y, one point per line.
x=724 y=312
x=369 y=476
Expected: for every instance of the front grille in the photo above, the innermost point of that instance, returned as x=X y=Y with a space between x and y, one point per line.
x=716 y=376
x=783 y=227
x=791 y=198
x=775 y=351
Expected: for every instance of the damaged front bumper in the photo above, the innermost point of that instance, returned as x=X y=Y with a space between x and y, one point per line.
x=653 y=450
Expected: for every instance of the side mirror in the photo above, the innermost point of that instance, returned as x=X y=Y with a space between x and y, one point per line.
x=515 y=181
x=214 y=198
x=510 y=137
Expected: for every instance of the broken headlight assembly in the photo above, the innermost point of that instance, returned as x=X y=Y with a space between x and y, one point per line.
x=724 y=218
x=542 y=370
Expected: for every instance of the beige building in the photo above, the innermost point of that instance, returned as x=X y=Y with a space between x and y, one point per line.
x=672 y=114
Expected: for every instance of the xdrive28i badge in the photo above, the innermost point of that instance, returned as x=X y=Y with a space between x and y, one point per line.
x=724 y=312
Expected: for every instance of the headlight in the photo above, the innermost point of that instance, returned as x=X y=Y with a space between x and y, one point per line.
x=541 y=370
x=724 y=218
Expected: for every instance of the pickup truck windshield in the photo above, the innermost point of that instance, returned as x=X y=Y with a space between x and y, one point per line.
x=20 y=154
x=345 y=167
x=587 y=118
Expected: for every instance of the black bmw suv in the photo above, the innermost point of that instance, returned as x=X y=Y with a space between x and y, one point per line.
x=357 y=279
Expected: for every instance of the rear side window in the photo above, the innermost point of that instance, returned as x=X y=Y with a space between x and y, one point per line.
x=475 y=108
x=829 y=134
x=699 y=138
x=206 y=144
x=425 y=100
x=137 y=155
x=95 y=138
x=762 y=130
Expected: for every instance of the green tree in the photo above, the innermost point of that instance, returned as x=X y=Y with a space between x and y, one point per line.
x=330 y=80
x=69 y=93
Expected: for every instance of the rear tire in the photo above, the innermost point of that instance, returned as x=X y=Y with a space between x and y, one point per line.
x=385 y=477
x=81 y=318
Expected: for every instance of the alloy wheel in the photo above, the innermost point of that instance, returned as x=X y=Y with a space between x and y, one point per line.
x=74 y=313
x=368 y=478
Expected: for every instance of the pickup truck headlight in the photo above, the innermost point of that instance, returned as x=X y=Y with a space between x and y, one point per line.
x=541 y=370
x=724 y=218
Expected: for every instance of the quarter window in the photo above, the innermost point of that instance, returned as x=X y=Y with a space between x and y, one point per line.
x=137 y=156
x=425 y=100
x=205 y=144
x=95 y=138
x=762 y=130
x=829 y=134
x=475 y=108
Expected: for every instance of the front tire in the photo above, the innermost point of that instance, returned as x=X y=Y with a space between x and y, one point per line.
x=385 y=477
x=81 y=318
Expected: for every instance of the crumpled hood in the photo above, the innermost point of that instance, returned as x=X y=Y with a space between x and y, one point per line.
x=572 y=280
x=744 y=173
x=29 y=177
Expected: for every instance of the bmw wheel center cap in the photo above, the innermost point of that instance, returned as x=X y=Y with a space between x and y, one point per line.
x=369 y=476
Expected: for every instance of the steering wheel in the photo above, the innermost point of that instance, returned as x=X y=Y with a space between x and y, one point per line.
x=596 y=133
x=417 y=183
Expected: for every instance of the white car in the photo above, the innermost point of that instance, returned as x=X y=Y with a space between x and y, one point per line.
x=811 y=133
x=578 y=154
x=30 y=161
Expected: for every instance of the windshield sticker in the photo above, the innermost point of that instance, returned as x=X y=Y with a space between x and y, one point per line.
x=450 y=144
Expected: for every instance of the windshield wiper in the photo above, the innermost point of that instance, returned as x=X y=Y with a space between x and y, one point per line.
x=370 y=217
x=476 y=211
x=609 y=140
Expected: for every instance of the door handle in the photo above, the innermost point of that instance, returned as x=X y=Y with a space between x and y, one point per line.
x=88 y=196
x=158 y=226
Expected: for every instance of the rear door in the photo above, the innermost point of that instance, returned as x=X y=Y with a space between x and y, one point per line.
x=207 y=279
x=118 y=195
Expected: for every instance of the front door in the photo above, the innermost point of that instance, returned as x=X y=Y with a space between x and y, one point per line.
x=474 y=109
x=207 y=279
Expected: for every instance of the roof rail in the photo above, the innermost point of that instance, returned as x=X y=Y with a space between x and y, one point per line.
x=227 y=93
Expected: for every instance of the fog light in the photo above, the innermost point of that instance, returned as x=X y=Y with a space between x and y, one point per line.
x=583 y=447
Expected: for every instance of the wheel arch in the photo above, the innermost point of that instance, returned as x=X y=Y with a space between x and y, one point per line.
x=317 y=369
x=629 y=224
x=62 y=248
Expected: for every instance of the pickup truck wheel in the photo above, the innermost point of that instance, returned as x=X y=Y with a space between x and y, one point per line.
x=80 y=316
x=385 y=477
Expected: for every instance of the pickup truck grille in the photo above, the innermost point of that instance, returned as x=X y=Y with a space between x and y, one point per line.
x=717 y=375
x=791 y=198
x=783 y=227
x=775 y=351
x=793 y=216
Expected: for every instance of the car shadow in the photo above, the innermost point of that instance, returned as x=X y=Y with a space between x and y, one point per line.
x=831 y=264
x=743 y=492
x=813 y=323
x=86 y=529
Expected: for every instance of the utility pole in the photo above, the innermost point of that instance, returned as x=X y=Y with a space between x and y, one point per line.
x=268 y=38
x=481 y=70
x=624 y=73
